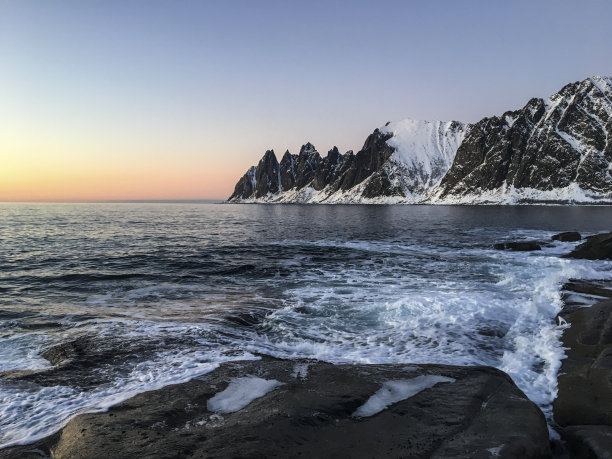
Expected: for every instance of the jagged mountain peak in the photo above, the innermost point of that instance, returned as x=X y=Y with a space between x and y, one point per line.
x=269 y=155
x=600 y=79
x=307 y=148
x=333 y=154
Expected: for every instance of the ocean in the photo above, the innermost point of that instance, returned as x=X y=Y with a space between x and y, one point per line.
x=158 y=293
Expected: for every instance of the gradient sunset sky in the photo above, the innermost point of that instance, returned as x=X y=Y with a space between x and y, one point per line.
x=105 y=100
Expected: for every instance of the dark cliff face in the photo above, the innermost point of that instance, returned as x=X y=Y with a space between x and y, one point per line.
x=329 y=169
x=288 y=170
x=260 y=180
x=307 y=163
x=545 y=145
x=308 y=169
x=368 y=160
x=245 y=187
x=267 y=176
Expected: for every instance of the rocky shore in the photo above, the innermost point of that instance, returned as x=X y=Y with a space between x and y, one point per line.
x=291 y=408
x=313 y=409
x=583 y=407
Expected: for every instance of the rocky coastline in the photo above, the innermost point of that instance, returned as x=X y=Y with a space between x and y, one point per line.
x=583 y=407
x=290 y=408
x=314 y=412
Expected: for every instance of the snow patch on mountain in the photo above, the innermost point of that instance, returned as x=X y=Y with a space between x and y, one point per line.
x=424 y=151
x=427 y=146
x=571 y=194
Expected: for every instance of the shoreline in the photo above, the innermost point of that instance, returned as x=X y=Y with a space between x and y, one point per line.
x=583 y=422
x=314 y=409
x=582 y=410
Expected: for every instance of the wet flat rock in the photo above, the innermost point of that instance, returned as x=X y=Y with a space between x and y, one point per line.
x=585 y=379
x=590 y=441
x=583 y=408
x=283 y=408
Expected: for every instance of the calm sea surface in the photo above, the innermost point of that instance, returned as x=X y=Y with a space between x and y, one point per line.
x=157 y=293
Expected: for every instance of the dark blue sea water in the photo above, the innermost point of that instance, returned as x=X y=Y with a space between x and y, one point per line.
x=162 y=292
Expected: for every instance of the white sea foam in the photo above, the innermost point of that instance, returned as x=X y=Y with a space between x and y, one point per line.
x=479 y=307
x=395 y=391
x=22 y=352
x=29 y=412
x=240 y=392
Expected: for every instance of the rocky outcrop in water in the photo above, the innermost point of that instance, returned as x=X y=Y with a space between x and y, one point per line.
x=568 y=236
x=552 y=150
x=284 y=408
x=521 y=246
x=597 y=247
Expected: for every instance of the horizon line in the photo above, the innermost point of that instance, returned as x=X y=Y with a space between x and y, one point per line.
x=111 y=201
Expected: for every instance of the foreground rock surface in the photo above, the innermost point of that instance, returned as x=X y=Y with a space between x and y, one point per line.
x=469 y=412
x=585 y=379
x=583 y=407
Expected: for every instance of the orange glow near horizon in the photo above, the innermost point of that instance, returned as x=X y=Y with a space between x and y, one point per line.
x=61 y=178
x=123 y=185
x=112 y=182
x=73 y=169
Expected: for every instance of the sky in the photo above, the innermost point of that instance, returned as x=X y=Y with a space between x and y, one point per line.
x=147 y=99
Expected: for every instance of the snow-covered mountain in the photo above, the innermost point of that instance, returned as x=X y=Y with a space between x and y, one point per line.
x=424 y=151
x=555 y=150
x=399 y=162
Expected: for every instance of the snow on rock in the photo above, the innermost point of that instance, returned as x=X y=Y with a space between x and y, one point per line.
x=395 y=391
x=571 y=194
x=399 y=163
x=554 y=150
x=240 y=392
x=425 y=146
x=423 y=152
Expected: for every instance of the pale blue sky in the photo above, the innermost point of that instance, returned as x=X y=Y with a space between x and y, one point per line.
x=193 y=82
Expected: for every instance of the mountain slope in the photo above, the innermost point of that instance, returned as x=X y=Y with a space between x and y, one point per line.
x=399 y=162
x=558 y=149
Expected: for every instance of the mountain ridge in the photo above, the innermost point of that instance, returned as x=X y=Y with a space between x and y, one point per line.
x=557 y=150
